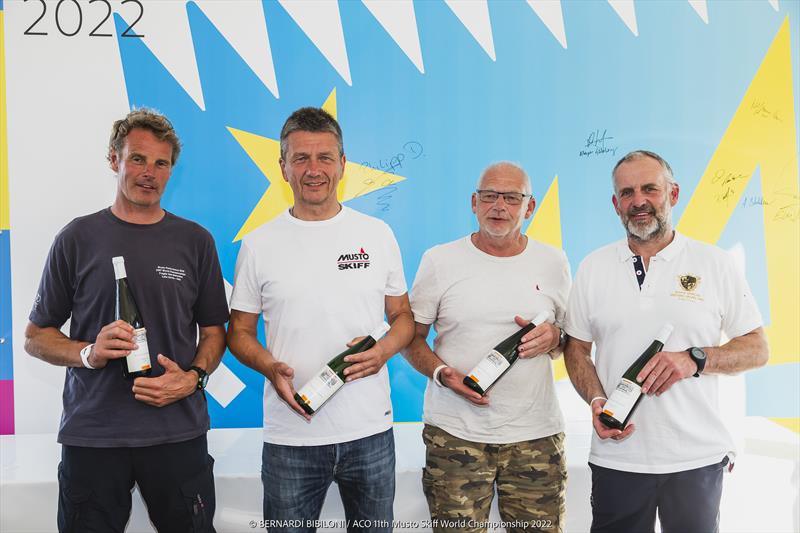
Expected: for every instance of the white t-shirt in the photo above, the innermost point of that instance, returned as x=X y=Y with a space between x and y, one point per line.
x=698 y=289
x=471 y=298
x=318 y=285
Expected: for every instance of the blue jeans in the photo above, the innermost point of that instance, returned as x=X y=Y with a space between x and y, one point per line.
x=296 y=480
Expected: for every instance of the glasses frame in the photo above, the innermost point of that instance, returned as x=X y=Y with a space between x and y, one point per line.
x=516 y=197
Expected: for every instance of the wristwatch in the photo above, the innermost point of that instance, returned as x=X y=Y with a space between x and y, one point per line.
x=202 y=377
x=699 y=357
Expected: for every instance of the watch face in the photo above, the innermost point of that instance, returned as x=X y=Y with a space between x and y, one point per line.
x=697 y=353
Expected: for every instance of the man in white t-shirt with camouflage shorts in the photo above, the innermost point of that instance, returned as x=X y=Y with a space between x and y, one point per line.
x=475 y=291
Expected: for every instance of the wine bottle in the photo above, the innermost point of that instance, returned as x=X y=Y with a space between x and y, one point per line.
x=626 y=397
x=499 y=360
x=137 y=363
x=330 y=378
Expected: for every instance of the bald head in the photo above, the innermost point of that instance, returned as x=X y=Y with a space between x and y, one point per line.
x=508 y=170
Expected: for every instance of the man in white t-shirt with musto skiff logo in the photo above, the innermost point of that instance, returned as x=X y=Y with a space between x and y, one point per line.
x=321 y=274
x=671 y=456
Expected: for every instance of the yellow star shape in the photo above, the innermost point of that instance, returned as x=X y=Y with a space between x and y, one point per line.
x=357 y=180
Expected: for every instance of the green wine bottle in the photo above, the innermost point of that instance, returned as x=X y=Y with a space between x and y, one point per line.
x=330 y=378
x=137 y=363
x=499 y=360
x=626 y=397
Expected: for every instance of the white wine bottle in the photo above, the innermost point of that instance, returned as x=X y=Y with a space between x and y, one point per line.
x=330 y=378
x=626 y=397
x=499 y=360
x=137 y=363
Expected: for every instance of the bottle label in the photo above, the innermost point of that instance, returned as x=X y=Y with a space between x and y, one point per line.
x=489 y=369
x=622 y=399
x=139 y=359
x=320 y=388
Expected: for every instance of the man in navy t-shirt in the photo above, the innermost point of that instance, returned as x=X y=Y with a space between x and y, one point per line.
x=150 y=430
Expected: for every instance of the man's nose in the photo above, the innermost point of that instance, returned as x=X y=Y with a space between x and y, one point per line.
x=639 y=199
x=313 y=167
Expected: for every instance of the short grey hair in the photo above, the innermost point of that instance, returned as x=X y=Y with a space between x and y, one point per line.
x=642 y=154
x=311 y=119
x=526 y=184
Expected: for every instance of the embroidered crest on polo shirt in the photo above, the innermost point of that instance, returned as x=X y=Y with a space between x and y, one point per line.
x=358 y=260
x=687 y=287
x=176 y=274
x=689 y=282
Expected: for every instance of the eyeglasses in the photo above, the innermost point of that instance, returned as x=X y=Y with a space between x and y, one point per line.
x=511 y=198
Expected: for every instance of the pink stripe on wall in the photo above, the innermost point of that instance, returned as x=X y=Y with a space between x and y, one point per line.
x=6 y=407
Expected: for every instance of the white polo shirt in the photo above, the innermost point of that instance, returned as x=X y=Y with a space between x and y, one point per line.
x=698 y=289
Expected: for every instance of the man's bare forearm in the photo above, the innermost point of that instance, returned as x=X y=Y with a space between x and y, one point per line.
x=738 y=354
x=52 y=346
x=210 y=348
x=419 y=354
x=581 y=369
x=401 y=332
x=249 y=351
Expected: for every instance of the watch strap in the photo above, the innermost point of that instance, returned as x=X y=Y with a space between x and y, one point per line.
x=202 y=377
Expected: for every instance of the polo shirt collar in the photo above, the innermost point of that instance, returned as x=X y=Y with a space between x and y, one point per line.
x=671 y=251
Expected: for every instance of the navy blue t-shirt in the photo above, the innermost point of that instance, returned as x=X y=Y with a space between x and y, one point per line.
x=174 y=273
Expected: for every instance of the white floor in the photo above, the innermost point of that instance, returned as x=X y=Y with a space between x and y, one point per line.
x=761 y=495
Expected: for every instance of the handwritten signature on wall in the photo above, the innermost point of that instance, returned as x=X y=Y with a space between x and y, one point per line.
x=390 y=166
x=786 y=204
x=598 y=143
x=760 y=109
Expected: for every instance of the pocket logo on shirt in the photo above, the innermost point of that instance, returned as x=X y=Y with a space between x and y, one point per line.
x=689 y=282
x=358 y=260
x=687 y=286
x=176 y=274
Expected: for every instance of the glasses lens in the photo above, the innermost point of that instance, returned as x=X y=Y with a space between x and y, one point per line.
x=488 y=196
x=511 y=198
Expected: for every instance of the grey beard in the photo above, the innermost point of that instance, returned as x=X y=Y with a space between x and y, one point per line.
x=656 y=229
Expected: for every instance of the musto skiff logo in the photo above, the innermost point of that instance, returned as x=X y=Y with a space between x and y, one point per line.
x=356 y=260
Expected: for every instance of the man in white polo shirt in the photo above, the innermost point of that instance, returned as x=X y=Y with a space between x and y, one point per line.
x=475 y=291
x=670 y=457
x=321 y=275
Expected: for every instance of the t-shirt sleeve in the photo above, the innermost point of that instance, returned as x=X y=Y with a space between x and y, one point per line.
x=246 y=287
x=562 y=291
x=53 y=303
x=425 y=293
x=577 y=321
x=211 y=307
x=396 y=279
x=740 y=314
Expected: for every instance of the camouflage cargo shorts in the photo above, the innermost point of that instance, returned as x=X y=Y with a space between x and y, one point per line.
x=460 y=476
